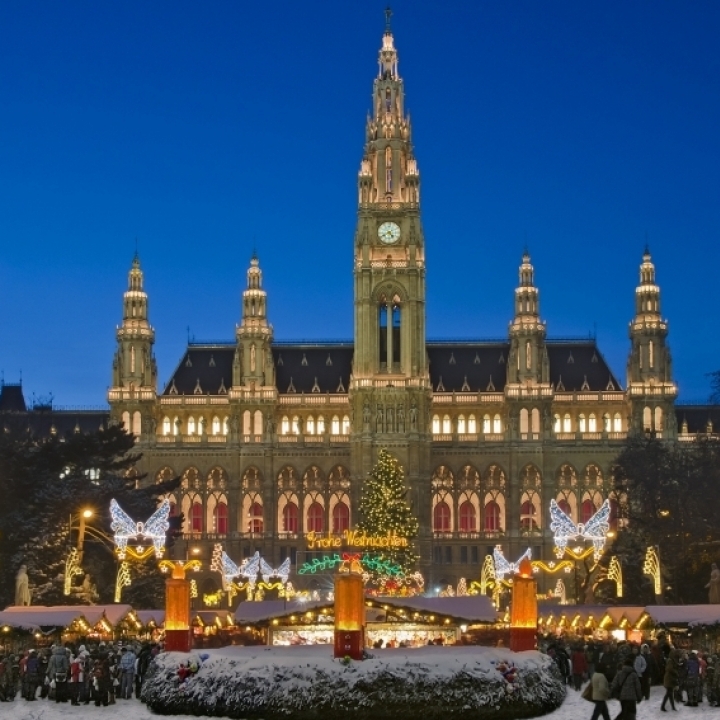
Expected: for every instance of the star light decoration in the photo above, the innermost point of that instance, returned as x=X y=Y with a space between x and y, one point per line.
x=564 y=529
x=126 y=529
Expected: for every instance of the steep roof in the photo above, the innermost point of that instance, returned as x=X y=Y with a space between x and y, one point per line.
x=325 y=367
x=697 y=418
x=12 y=398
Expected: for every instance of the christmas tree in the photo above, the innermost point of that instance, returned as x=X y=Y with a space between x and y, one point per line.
x=384 y=509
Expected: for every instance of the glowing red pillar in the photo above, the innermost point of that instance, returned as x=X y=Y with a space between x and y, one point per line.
x=523 y=609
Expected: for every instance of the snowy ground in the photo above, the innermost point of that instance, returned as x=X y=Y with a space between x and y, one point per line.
x=574 y=708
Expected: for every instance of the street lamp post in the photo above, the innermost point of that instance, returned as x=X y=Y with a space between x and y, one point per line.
x=84 y=515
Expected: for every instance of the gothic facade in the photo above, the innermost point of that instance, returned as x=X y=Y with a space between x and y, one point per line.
x=273 y=439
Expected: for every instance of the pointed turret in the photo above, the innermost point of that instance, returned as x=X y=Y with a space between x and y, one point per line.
x=650 y=384
x=134 y=367
x=253 y=358
x=529 y=363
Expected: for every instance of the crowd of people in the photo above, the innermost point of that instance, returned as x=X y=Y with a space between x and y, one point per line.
x=626 y=671
x=78 y=674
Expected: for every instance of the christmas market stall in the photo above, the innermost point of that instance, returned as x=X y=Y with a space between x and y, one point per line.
x=390 y=622
x=598 y=622
x=688 y=626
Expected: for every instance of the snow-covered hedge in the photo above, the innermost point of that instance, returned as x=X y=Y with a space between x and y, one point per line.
x=305 y=683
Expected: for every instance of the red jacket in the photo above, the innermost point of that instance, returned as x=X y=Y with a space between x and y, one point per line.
x=579 y=662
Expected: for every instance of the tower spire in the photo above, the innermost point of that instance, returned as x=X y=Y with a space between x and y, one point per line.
x=388 y=15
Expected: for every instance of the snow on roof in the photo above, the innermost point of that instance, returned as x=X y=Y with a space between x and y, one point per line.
x=33 y=618
x=684 y=614
x=250 y=612
x=148 y=616
x=471 y=608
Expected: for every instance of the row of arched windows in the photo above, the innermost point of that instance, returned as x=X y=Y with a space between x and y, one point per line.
x=587 y=424
x=467 y=425
x=312 y=425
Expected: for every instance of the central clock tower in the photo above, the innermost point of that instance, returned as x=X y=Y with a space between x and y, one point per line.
x=389 y=243
x=390 y=392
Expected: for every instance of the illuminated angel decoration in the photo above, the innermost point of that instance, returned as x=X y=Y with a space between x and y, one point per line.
x=503 y=566
x=126 y=529
x=564 y=529
x=267 y=572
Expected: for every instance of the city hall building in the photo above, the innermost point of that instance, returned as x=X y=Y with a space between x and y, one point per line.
x=273 y=439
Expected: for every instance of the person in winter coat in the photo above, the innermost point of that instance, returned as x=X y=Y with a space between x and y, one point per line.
x=600 y=696
x=31 y=679
x=626 y=687
x=647 y=678
x=579 y=667
x=143 y=660
x=59 y=671
x=77 y=676
x=127 y=673
x=640 y=665
x=670 y=680
x=692 y=679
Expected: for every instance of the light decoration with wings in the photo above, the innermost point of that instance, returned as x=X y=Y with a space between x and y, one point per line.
x=126 y=529
x=249 y=570
x=564 y=529
x=283 y=572
x=503 y=566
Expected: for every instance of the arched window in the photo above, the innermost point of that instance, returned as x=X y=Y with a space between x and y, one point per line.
x=647 y=419
x=461 y=428
x=524 y=421
x=567 y=423
x=255 y=521
x=196 y=518
x=191 y=426
x=436 y=425
x=487 y=428
x=246 y=422
x=587 y=510
x=216 y=425
x=472 y=425
x=176 y=426
x=346 y=425
x=651 y=354
x=310 y=425
x=441 y=517
x=290 y=518
x=497 y=425
x=468 y=520
x=535 y=420
x=340 y=518
x=257 y=423
x=220 y=518
x=285 y=425
x=607 y=423
x=658 y=419
x=296 y=425
x=592 y=423
x=136 y=423
x=557 y=424
x=320 y=425
x=446 y=425
x=564 y=505
x=166 y=426
x=226 y=426
x=315 y=517
x=617 y=422
x=528 y=516
x=335 y=425
x=581 y=423
x=492 y=517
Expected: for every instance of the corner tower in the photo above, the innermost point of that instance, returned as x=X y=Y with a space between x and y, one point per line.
x=134 y=384
x=651 y=388
x=389 y=244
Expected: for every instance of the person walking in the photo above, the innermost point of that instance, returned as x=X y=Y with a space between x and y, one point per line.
x=58 y=672
x=646 y=679
x=579 y=666
x=127 y=673
x=670 y=680
x=626 y=687
x=600 y=696
x=692 y=679
x=32 y=676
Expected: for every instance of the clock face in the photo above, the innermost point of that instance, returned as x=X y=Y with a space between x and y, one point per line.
x=389 y=233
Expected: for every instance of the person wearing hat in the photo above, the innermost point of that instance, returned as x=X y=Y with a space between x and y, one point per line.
x=626 y=688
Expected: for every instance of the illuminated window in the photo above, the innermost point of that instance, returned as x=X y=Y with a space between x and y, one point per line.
x=290 y=518
x=446 y=425
x=557 y=424
x=524 y=421
x=220 y=518
x=647 y=418
x=340 y=518
x=535 y=420
x=335 y=425
x=472 y=425
x=166 y=426
x=587 y=510
x=487 y=427
x=441 y=517
x=617 y=422
x=497 y=425
x=658 y=419
x=315 y=518
x=310 y=425
x=226 y=426
x=528 y=516
x=320 y=425
x=176 y=426
x=468 y=522
x=567 y=423
x=436 y=425
x=216 y=425
x=255 y=523
x=581 y=423
x=191 y=426
x=492 y=517
x=196 y=517
x=346 y=425
x=461 y=427
x=607 y=422
x=296 y=425
x=285 y=425
x=592 y=423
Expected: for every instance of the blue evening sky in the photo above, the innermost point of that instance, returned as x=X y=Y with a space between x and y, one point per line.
x=207 y=128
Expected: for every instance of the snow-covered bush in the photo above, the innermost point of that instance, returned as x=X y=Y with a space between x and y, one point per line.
x=305 y=683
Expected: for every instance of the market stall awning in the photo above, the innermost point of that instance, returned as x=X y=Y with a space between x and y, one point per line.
x=684 y=614
x=468 y=609
x=147 y=617
x=37 y=617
